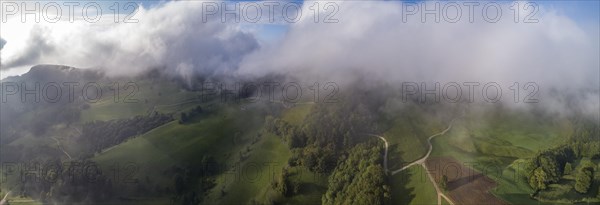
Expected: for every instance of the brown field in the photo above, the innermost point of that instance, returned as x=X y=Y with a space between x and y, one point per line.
x=465 y=186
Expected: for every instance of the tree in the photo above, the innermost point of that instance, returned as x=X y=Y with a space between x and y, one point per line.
x=359 y=178
x=210 y=166
x=585 y=174
x=538 y=179
x=568 y=169
x=283 y=184
x=179 y=184
x=296 y=186
x=183 y=118
x=583 y=180
x=550 y=167
x=444 y=182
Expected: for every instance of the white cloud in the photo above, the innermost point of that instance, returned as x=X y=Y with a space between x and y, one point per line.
x=371 y=39
x=171 y=35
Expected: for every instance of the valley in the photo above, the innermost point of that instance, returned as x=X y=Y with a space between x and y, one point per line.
x=186 y=149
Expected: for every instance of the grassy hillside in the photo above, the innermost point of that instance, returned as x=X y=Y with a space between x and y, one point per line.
x=408 y=133
x=250 y=180
x=221 y=135
x=150 y=95
x=493 y=142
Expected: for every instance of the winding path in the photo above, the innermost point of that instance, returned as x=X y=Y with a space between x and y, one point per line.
x=78 y=131
x=385 y=155
x=61 y=148
x=424 y=158
x=420 y=161
x=3 y=201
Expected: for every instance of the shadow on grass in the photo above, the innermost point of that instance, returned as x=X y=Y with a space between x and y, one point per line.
x=395 y=158
x=456 y=183
x=401 y=194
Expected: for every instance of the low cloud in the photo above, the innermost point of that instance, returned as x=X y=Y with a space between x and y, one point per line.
x=36 y=48
x=171 y=35
x=371 y=39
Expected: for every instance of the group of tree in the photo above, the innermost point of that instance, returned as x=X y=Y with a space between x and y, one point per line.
x=192 y=181
x=187 y=116
x=326 y=132
x=584 y=177
x=284 y=185
x=549 y=166
x=99 y=135
x=69 y=183
x=332 y=139
x=359 y=178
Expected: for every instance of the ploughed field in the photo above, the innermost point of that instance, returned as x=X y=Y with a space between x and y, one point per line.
x=465 y=186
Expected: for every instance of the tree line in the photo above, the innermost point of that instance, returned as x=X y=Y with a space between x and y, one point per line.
x=359 y=178
x=332 y=140
x=549 y=166
x=99 y=135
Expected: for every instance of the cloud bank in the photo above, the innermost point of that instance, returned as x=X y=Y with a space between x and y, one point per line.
x=371 y=39
x=172 y=35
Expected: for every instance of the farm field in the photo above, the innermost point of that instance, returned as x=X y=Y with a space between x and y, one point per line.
x=490 y=143
x=465 y=185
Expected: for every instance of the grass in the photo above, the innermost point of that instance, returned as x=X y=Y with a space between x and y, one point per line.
x=221 y=135
x=412 y=186
x=445 y=202
x=564 y=192
x=488 y=139
x=404 y=144
x=224 y=134
x=312 y=186
x=501 y=148
x=267 y=158
x=149 y=94
x=493 y=143
x=524 y=129
x=31 y=141
x=13 y=198
x=251 y=180
x=296 y=115
x=407 y=135
x=22 y=201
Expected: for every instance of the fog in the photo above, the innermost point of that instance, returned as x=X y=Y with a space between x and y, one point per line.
x=371 y=41
x=171 y=35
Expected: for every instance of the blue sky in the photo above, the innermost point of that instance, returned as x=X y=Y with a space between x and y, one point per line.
x=581 y=11
x=584 y=12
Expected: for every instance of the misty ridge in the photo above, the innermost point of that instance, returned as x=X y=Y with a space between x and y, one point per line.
x=363 y=48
